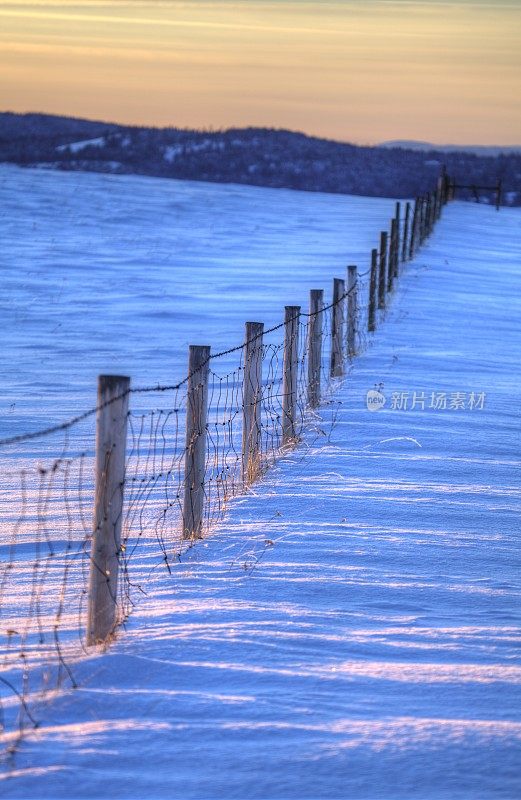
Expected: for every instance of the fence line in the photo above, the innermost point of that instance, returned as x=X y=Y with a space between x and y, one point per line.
x=157 y=480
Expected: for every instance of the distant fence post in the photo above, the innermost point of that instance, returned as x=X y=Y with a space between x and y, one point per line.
x=252 y=393
x=195 y=456
x=439 y=196
x=414 y=228
x=352 y=309
x=382 y=278
x=337 y=328
x=396 y=248
x=397 y=241
x=371 y=316
x=316 y=304
x=433 y=211
x=406 y=231
x=392 y=254
x=425 y=217
x=290 y=374
x=498 y=195
x=111 y=437
x=421 y=221
x=434 y=206
x=446 y=187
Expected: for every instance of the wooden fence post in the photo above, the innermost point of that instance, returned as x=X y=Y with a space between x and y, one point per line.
x=396 y=253
x=446 y=188
x=111 y=437
x=337 y=328
x=382 y=278
x=316 y=304
x=498 y=195
x=290 y=374
x=195 y=456
x=251 y=404
x=439 y=196
x=397 y=239
x=406 y=231
x=426 y=214
x=371 y=316
x=392 y=253
x=414 y=228
x=433 y=211
x=352 y=309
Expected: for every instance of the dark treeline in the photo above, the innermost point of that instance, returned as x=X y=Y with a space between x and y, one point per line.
x=256 y=156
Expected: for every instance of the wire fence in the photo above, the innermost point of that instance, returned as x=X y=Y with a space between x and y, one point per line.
x=49 y=545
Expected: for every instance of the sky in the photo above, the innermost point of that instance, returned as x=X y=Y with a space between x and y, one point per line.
x=446 y=71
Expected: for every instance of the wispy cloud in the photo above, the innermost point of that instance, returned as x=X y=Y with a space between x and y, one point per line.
x=162 y=21
x=408 y=67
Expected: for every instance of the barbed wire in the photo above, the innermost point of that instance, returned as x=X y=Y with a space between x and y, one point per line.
x=46 y=544
x=64 y=426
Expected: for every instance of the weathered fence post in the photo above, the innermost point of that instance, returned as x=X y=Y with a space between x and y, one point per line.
x=443 y=186
x=446 y=188
x=434 y=207
x=398 y=238
x=195 y=456
x=352 y=309
x=316 y=304
x=396 y=248
x=392 y=254
x=337 y=328
x=290 y=374
x=426 y=214
x=414 y=228
x=111 y=437
x=371 y=316
x=252 y=394
x=382 y=278
x=498 y=195
x=406 y=231
x=439 y=196
x=433 y=211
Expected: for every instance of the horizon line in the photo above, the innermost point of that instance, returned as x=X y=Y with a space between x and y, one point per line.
x=400 y=142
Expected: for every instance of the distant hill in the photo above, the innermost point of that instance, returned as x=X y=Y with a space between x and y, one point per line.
x=49 y=125
x=257 y=156
x=477 y=149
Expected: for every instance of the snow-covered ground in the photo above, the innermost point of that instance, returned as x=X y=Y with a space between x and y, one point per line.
x=352 y=628
x=119 y=274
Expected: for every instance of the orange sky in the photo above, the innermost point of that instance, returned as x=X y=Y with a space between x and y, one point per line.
x=361 y=70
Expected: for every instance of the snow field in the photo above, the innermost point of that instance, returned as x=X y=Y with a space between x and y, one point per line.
x=352 y=627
